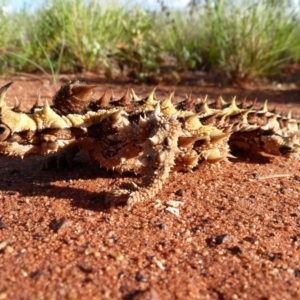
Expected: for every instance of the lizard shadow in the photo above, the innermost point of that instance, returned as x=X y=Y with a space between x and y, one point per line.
x=27 y=178
x=251 y=157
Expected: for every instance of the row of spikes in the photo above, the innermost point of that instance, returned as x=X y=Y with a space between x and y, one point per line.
x=45 y=110
x=130 y=96
x=19 y=106
x=22 y=121
x=219 y=107
x=44 y=117
x=273 y=121
x=149 y=102
x=228 y=109
x=168 y=107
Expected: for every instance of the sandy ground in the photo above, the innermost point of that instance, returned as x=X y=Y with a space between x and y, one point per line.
x=236 y=236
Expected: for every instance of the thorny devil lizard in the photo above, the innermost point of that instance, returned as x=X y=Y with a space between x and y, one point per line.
x=145 y=136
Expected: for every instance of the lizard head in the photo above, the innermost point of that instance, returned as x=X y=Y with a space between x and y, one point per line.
x=10 y=120
x=39 y=132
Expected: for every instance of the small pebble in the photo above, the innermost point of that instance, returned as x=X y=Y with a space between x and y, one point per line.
x=3 y=226
x=164 y=243
x=235 y=250
x=163 y=227
x=297 y=272
x=174 y=203
x=117 y=256
x=36 y=274
x=86 y=268
x=173 y=210
x=140 y=277
x=158 y=263
x=3 y=245
x=220 y=239
x=250 y=239
x=179 y=193
x=57 y=224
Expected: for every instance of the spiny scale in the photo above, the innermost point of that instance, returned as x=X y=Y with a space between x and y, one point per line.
x=145 y=136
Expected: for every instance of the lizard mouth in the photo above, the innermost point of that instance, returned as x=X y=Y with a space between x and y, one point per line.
x=4 y=132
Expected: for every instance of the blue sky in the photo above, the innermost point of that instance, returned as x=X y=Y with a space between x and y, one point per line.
x=19 y=4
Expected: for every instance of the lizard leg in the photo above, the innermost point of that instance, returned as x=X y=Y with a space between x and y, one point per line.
x=159 y=152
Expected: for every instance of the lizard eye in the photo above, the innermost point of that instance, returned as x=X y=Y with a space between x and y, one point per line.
x=285 y=150
x=4 y=132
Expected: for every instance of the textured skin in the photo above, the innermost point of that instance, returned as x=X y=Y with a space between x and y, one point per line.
x=145 y=136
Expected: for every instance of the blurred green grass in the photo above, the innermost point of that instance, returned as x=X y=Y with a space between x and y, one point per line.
x=245 y=41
